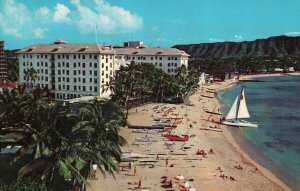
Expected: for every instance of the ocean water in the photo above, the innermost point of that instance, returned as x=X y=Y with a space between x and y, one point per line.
x=275 y=105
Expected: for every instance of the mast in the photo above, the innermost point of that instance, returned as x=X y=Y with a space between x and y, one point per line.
x=238 y=104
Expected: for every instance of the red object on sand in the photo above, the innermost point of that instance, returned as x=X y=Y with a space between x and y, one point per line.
x=177 y=138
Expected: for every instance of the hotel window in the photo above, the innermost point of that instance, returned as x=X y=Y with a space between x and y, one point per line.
x=110 y=65
x=23 y=55
x=133 y=58
x=95 y=73
x=175 y=64
x=78 y=56
x=78 y=64
x=74 y=56
x=91 y=80
x=74 y=65
x=91 y=89
x=67 y=64
x=106 y=60
x=95 y=57
x=106 y=68
x=160 y=64
x=95 y=89
x=102 y=56
x=75 y=88
x=59 y=87
x=59 y=79
x=68 y=87
x=58 y=72
x=74 y=72
x=151 y=58
x=63 y=64
x=68 y=80
x=83 y=65
x=102 y=73
x=90 y=56
x=30 y=56
x=58 y=56
x=169 y=64
x=83 y=73
x=46 y=71
x=63 y=79
x=110 y=72
x=175 y=58
x=38 y=64
x=106 y=76
x=90 y=64
x=79 y=87
x=95 y=80
x=46 y=56
x=79 y=72
x=83 y=56
x=95 y=65
x=67 y=56
x=74 y=80
x=168 y=70
x=46 y=78
x=91 y=73
x=79 y=79
x=160 y=58
x=102 y=65
x=169 y=58
x=83 y=88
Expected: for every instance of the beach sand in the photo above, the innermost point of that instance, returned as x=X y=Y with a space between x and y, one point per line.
x=204 y=172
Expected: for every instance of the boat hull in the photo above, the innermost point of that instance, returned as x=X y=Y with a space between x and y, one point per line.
x=177 y=138
x=240 y=124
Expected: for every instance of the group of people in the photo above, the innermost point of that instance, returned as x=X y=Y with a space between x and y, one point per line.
x=203 y=153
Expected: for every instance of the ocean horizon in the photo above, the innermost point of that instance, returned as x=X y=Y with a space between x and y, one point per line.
x=274 y=105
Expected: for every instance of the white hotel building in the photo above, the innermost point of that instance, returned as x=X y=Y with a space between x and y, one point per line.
x=75 y=70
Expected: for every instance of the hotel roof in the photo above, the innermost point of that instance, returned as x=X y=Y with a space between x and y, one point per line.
x=61 y=46
x=150 y=51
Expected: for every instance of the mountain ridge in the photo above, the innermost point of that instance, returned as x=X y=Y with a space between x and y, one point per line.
x=277 y=46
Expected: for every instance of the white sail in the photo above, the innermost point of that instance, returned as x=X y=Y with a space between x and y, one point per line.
x=243 y=110
x=239 y=108
x=232 y=112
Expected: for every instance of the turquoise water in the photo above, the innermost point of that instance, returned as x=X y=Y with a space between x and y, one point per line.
x=275 y=105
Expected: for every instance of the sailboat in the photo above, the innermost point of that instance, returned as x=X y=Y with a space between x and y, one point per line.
x=239 y=111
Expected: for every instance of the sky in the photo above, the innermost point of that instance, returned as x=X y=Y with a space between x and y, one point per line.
x=155 y=22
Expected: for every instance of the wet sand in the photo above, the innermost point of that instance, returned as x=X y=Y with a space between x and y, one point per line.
x=204 y=172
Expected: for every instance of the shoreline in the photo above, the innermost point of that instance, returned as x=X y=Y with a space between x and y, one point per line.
x=229 y=135
x=205 y=171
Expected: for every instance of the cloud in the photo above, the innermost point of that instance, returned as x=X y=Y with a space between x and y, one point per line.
x=61 y=13
x=107 y=17
x=238 y=37
x=216 y=40
x=39 y=32
x=42 y=12
x=155 y=28
x=292 y=33
x=18 y=20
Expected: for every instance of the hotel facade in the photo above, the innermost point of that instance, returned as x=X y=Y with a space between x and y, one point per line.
x=75 y=70
x=3 y=64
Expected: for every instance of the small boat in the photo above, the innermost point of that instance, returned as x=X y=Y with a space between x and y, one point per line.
x=177 y=138
x=239 y=111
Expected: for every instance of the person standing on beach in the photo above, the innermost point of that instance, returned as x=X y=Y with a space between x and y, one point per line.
x=134 y=171
x=167 y=162
x=140 y=184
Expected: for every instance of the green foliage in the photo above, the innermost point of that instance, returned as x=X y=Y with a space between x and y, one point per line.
x=61 y=143
x=12 y=66
x=24 y=184
x=136 y=83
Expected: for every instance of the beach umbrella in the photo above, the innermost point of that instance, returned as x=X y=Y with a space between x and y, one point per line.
x=187 y=185
x=179 y=178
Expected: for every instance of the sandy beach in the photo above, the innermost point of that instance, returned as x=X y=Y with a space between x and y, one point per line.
x=224 y=166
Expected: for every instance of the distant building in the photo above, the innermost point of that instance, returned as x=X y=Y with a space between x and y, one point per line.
x=167 y=59
x=3 y=64
x=68 y=70
x=134 y=44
